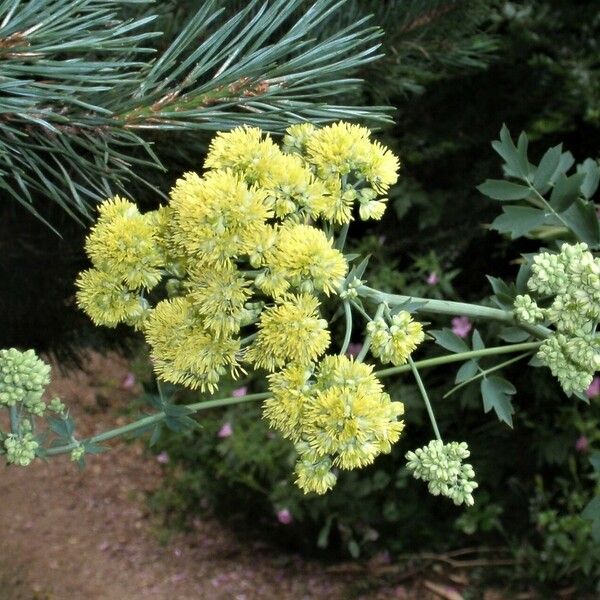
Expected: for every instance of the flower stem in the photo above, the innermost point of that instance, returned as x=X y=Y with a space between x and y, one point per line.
x=145 y=422
x=460 y=356
x=367 y=342
x=413 y=367
x=448 y=307
x=348 y=334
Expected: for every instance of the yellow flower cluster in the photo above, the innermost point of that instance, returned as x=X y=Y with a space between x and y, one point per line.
x=396 y=342
x=232 y=243
x=231 y=271
x=337 y=414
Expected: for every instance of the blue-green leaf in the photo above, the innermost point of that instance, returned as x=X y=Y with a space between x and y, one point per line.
x=566 y=191
x=518 y=220
x=547 y=168
x=513 y=335
x=581 y=217
x=496 y=392
x=591 y=171
x=477 y=341
x=449 y=340
x=498 y=189
x=466 y=371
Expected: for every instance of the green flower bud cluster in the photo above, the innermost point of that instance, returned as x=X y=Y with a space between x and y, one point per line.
x=567 y=285
x=20 y=450
x=441 y=465
x=351 y=292
x=77 y=453
x=395 y=343
x=23 y=378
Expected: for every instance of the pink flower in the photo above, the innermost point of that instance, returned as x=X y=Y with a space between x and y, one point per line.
x=461 y=326
x=128 y=382
x=284 y=516
x=162 y=458
x=354 y=349
x=594 y=389
x=432 y=279
x=582 y=444
x=239 y=392
x=225 y=431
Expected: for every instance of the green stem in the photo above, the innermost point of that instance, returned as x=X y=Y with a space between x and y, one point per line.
x=367 y=341
x=348 y=334
x=145 y=422
x=448 y=307
x=458 y=357
x=484 y=372
x=361 y=310
x=14 y=420
x=425 y=397
x=546 y=205
x=341 y=241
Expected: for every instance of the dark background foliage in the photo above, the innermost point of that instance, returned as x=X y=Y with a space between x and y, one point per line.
x=454 y=71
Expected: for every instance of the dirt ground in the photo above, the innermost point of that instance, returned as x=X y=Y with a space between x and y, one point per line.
x=68 y=534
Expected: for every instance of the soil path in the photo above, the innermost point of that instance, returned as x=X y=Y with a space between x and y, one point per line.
x=70 y=535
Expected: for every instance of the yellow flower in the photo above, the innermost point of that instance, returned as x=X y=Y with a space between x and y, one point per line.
x=291 y=187
x=289 y=331
x=217 y=217
x=183 y=351
x=338 y=149
x=219 y=295
x=125 y=243
x=107 y=301
x=245 y=151
x=336 y=205
x=116 y=207
x=306 y=259
x=343 y=418
x=314 y=476
x=297 y=136
x=344 y=148
x=396 y=343
x=290 y=388
x=380 y=167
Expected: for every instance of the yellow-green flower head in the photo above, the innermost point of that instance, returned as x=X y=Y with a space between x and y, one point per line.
x=395 y=343
x=380 y=168
x=292 y=187
x=219 y=296
x=116 y=207
x=290 y=331
x=314 y=476
x=349 y=416
x=336 y=205
x=344 y=148
x=20 y=450
x=23 y=378
x=306 y=259
x=441 y=465
x=285 y=410
x=297 y=136
x=245 y=151
x=107 y=301
x=260 y=242
x=351 y=425
x=124 y=243
x=217 y=217
x=183 y=351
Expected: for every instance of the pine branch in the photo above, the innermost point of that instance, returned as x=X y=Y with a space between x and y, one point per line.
x=82 y=85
